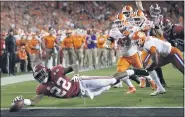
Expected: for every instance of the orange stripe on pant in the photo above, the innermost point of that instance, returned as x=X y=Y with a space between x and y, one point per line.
x=125 y=62
x=146 y=59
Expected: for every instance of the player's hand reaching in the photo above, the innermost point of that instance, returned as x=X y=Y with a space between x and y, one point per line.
x=76 y=78
x=18 y=98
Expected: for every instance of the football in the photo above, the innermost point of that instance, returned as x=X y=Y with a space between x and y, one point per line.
x=17 y=106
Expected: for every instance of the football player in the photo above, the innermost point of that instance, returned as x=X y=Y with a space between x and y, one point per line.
x=155 y=17
x=55 y=83
x=162 y=53
x=120 y=34
x=128 y=12
x=174 y=33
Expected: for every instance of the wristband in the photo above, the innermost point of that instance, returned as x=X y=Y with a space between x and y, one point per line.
x=27 y=102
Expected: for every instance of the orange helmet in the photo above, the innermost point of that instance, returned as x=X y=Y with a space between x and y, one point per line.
x=139 y=17
x=139 y=38
x=127 y=10
x=121 y=17
x=140 y=13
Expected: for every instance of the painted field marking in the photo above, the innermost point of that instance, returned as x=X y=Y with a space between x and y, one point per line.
x=84 y=108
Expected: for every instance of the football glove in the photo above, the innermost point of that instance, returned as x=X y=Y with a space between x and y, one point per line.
x=76 y=78
x=18 y=98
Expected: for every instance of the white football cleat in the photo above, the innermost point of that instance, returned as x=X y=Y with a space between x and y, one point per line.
x=158 y=91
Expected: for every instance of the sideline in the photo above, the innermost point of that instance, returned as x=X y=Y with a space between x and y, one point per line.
x=29 y=77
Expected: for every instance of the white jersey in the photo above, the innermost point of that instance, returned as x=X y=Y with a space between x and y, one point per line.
x=163 y=47
x=147 y=23
x=126 y=45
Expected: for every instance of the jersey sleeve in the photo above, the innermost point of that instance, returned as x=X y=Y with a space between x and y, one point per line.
x=148 y=45
x=40 y=89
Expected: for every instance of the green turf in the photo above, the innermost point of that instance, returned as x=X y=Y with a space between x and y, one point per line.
x=114 y=97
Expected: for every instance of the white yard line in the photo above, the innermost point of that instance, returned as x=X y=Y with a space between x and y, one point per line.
x=98 y=108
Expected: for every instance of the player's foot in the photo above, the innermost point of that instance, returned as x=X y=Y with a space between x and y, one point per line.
x=142 y=83
x=153 y=85
x=131 y=90
x=158 y=91
x=89 y=93
x=141 y=72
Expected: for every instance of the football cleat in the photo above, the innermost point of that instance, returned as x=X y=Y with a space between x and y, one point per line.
x=158 y=91
x=131 y=90
x=142 y=83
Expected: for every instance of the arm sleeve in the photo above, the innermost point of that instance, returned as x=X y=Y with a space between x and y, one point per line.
x=71 y=68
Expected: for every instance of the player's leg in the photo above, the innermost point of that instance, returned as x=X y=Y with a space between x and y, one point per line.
x=135 y=78
x=96 y=82
x=160 y=75
x=160 y=88
x=81 y=57
x=146 y=60
x=94 y=85
x=54 y=54
x=96 y=92
x=136 y=62
x=94 y=55
x=176 y=59
x=123 y=65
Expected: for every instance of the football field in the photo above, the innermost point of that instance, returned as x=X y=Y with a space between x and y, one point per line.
x=115 y=97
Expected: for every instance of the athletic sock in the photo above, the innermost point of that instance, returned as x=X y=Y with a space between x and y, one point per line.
x=154 y=76
x=128 y=82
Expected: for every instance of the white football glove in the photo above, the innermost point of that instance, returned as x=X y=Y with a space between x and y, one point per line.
x=18 y=98
x=76 y=78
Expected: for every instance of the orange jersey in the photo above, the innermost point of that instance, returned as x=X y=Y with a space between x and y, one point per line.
x=101 y=41
x=22 y=55
x=20 y=42
x=78 y=41
x=49 y=41
x=34 y=46
x=67 y=42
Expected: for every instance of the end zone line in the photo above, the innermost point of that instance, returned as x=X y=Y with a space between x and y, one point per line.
x=98 y=108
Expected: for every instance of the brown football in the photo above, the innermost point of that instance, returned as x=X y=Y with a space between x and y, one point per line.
x=17 y=106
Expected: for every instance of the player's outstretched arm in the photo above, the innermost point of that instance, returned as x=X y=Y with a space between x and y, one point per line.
x=71 y=68
x=28 y=102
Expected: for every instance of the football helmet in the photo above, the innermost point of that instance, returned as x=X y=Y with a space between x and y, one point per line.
x=121 y=17
x=139 y=18
x=166 y=25
x=40 y=73
x=118 y=24
x=127 y=10
x=155 y=11
x=139 y=38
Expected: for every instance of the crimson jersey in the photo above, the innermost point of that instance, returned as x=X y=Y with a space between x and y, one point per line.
x=59 y=85
x=176 y=34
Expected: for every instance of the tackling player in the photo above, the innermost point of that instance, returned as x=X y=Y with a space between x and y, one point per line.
x=161 y=53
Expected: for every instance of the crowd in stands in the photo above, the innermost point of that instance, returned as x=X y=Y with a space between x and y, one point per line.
x=61 y=15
